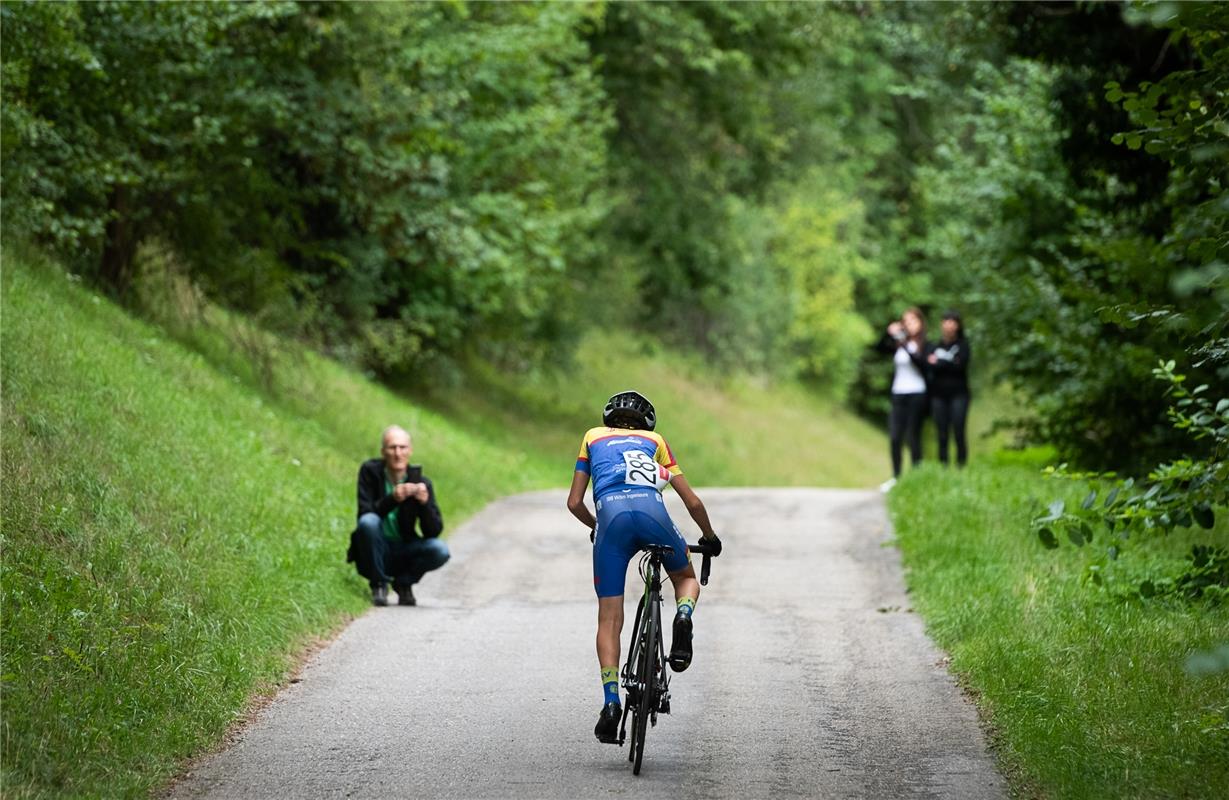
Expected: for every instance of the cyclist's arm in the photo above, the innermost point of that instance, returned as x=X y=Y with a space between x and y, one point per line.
x=694 y=507
x=576 y=500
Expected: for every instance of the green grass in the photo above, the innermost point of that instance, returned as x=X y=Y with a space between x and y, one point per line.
x=1084 y=686
x=174 y=518
x=725 y=430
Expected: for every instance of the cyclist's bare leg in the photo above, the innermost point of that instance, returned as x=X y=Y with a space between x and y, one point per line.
x=609 y=628
x=685 y=583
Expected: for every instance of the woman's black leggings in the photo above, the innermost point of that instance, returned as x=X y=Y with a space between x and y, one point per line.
x=951 y=412
x=905 y=423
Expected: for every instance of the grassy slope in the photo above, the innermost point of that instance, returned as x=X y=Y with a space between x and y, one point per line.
x=171 y=536
x=725 y=431
x=1086 y=690
x=173 y=533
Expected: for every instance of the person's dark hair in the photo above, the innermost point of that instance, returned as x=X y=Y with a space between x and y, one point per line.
x=630 y=410
x=953 y=314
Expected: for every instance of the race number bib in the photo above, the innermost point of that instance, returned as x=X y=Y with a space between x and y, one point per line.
x=642 y=470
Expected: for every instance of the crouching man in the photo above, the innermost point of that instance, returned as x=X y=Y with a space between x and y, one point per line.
x=398 y=522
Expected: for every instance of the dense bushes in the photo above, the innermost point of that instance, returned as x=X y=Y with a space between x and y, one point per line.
x=402 y=182
x=1090 y=256
x=412 y=175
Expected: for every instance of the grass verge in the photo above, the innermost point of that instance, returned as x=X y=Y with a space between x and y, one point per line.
x=1084 y=686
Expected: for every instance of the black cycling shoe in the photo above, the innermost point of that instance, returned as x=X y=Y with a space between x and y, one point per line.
x=607 y=730
x=379 y=594
x=680 y=643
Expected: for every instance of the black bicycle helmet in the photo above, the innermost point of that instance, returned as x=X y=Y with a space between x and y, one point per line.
x=629 y=409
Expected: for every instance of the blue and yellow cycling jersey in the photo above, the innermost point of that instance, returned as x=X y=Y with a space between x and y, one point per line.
x=618 y=459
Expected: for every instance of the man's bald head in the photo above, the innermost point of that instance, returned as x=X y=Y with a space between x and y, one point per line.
x=396 y=432
x=396 y=449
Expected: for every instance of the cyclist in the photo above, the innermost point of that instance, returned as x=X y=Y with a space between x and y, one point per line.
x=630 y=465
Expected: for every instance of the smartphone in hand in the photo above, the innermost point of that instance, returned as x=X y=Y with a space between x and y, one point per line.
x=414 y=474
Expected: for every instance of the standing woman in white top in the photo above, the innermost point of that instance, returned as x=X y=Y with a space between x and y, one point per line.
x=905 y=340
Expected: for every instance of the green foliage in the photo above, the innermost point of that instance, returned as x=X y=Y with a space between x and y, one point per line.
x=1180 y=494
x=794 y=292
x=482 y=194
x=883 y=86
x=1095 y=261
x=409 y=185
x=404 y=182
x=693 y=89
x=1184 y=119
x=111 y=110
x=1176 y=295
x=415 y=176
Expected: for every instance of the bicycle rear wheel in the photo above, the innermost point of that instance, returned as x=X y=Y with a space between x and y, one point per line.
x=634 y=671
x=631 y=676
x=647 y=670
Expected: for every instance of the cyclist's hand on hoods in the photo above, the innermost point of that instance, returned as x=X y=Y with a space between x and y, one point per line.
x=713 y=544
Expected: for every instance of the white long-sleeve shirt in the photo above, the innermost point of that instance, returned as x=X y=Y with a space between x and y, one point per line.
x=908 y=378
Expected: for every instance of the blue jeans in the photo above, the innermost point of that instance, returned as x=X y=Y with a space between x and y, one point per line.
x=383 y=560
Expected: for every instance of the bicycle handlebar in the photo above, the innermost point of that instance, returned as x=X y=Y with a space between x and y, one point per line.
x=708 y=559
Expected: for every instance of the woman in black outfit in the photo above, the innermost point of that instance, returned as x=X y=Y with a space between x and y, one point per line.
x=949 y=386
x=905 y=340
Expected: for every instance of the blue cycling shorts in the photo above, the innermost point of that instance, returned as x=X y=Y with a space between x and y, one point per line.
x=625 y=521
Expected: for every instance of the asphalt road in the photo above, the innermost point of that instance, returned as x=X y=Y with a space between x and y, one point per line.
x=812 y=677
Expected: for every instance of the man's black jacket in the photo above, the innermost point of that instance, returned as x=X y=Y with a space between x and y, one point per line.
x=373 y=498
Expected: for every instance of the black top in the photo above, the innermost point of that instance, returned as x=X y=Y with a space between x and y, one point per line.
x=949 y=375
x=373 y=497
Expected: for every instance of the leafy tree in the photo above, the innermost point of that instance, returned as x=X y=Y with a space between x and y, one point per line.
x=112 y=112
x=1053 y=239
x=1184 y=118
x=1072 y=340
x=691 y=85
x=410 y=177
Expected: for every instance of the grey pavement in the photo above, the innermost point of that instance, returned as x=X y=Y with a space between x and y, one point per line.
x=812 y=677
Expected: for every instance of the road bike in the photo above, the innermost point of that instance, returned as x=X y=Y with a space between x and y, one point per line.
x=644 y=673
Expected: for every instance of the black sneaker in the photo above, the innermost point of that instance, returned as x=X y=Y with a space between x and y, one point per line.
x=680 y=644
x=607 y=729
x=405 y=596
x=379 y=594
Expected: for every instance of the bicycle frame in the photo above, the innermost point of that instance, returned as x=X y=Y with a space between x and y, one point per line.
x=644 y=675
